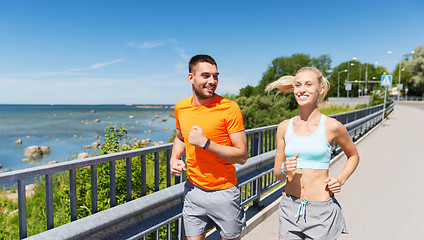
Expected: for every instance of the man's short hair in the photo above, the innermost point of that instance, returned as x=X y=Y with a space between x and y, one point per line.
x=199 y=59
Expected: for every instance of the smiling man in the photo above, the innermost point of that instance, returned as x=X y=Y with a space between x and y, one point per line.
x=210 y=131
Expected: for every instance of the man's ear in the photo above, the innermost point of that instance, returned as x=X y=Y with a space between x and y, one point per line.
x=190 y=77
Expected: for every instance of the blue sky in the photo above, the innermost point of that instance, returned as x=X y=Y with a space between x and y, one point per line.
x=121 y=52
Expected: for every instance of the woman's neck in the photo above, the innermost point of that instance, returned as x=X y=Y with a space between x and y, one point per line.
x=307 y=113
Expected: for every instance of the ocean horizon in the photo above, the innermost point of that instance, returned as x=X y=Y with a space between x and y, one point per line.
x=67 y=128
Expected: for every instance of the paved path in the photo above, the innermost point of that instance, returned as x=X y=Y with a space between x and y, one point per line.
x=384 y=198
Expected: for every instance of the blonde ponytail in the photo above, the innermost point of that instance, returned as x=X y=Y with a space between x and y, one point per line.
x=283 y=84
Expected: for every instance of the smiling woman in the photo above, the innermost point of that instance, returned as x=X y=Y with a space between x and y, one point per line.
x=304 y=147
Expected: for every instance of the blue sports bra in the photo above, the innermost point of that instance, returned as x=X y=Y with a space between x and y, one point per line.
x=314 y=150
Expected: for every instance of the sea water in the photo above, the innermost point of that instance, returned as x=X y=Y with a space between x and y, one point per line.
x=66 y=129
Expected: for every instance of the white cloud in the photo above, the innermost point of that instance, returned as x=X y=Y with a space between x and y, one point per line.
x=161 y=43
x=145 y=45
x=182 y=53
x=99 y=65
x=73 y=70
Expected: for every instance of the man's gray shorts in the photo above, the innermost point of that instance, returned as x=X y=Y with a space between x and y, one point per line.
x=204 y=209
x=321 y=220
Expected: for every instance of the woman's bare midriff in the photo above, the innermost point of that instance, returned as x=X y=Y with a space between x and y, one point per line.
x=308 y=183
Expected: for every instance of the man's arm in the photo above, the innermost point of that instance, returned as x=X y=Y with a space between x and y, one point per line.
x=178 y=149
x=236 y=153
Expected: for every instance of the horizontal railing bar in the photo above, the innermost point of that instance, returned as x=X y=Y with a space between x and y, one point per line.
x=79 y=163
x=148 y=205
x=257 y=177
x=362 y=120
x=355 y=111
x=260 y=129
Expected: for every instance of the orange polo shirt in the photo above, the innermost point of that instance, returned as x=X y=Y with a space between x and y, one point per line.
x=218 y=119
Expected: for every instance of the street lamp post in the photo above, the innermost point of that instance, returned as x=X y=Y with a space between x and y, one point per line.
x=348 y=67
x=400 y=71
x=366 y=78
x=359 y=90
x=338 y=83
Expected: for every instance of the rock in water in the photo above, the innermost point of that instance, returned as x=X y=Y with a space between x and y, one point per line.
x=36 y=151
x=33 y=151
x=83 y=155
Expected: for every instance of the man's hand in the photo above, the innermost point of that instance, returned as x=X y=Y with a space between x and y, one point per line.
x=197 y=137
x=177 y=167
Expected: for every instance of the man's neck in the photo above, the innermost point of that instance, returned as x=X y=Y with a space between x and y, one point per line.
x=201 y=101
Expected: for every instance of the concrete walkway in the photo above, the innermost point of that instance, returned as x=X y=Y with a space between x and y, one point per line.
x=384 y=198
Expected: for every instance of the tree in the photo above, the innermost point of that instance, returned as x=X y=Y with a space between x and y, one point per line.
x=415 y=67
x=259 y=111
x=247 y=91
x=279 y=67
x=357 y=71
x=289 y=66
x=404 y=76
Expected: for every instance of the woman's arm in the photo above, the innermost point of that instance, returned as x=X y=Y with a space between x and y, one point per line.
x=280 y=156
x=341 y=137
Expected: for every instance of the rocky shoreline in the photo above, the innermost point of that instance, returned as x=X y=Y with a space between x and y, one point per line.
x=155 y=106
x=34 y=152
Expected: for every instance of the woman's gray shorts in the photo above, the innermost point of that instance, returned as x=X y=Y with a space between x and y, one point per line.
x=318 y=220
x=204 y=209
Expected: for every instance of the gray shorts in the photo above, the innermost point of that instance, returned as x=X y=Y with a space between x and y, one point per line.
x=318 y=220
x=204 y=209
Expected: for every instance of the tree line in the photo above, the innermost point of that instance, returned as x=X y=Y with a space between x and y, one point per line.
x=261 y=109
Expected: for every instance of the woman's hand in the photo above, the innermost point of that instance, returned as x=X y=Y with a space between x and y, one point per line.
x=333 y=184
x=290 y=163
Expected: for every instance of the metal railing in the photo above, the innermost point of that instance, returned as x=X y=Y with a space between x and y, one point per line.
x=158 y=212
x=406 y=98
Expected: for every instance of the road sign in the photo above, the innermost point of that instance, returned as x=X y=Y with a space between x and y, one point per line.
x=348 y=86
x=386 y=80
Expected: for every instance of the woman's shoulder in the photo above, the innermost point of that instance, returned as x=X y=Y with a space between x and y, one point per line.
x=282 y=126
x=284 y=123
x=333 y=124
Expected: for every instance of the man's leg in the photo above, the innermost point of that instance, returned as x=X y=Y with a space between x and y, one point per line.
x=200 y=237
x=225 y=210
x=237 y=238
x=195 y=218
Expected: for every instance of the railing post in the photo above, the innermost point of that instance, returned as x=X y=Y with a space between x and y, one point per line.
x=73 y=193
x=22 y=209
x=128 y=178
x=143 y=174
x=183 y=235
x=93 y=169
x=49 y=201
x=254 y=144
x=156 y=159
x=168 y=168
x=112 y=184
x=257 y=201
